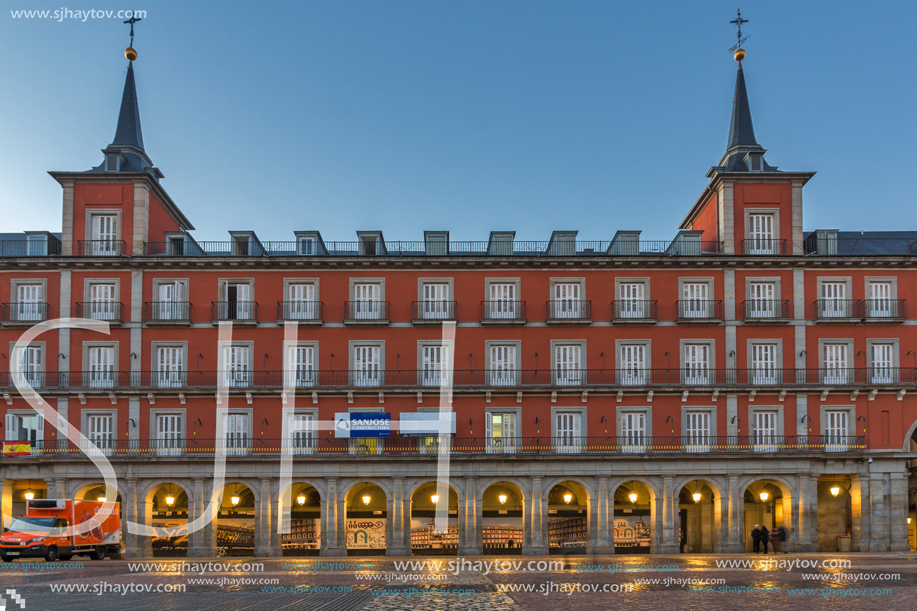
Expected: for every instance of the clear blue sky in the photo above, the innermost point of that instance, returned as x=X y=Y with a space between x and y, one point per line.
x=469 y=116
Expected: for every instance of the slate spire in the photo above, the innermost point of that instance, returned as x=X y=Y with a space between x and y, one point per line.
x=741 y=130
x=128 y=132
x=126 y=152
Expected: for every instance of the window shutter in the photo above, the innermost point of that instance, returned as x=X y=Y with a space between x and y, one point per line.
x=12 y=427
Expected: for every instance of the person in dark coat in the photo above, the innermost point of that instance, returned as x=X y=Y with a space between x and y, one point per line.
x=780 y=539
x=756 y=539
x=765 y=537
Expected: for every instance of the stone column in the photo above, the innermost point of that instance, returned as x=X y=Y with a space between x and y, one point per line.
x=276 y=504
x=807 y=514
x=537 y=526
x=263 y=520
x=735 y=501
x=197 y=543
x=861 y=511
x=669 y=545
x=333 y=535
x=396 y=512
x=881 y=518
x=898 y=512
x=6 y=502
x=470 y=521
x=601 y=513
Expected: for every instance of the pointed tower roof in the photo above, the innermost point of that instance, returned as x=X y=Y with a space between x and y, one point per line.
x=743 y=153
x=126 y=152
x=128 y=132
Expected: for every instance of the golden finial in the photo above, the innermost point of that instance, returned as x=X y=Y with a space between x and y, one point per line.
x=130 y=53
x=739 y=51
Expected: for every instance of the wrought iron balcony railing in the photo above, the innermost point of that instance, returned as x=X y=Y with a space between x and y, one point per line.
x=766 y=309
x=100 y=310
x=24 y=312
x=433 y=311
x=101 y=248
x=763 y=246
x=884 y=309
x=756 y=378
x=167 y=312
x=397 y=445
x=634 y=310
x=503 y=311
x=29 y=248
x=699 y=310
x=827 y=309
x=301 y=310
x=366 y=312
x=242 y=311
x=569 y=310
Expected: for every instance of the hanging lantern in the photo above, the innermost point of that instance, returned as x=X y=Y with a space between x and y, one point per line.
x=567 y=498
x=764 y=496
x=29 y=495
x=696 y=497
x=301 y=499
x=435 y=499
x=633 y=497
x=366 y=499
x=170 y=500
x=502 y=498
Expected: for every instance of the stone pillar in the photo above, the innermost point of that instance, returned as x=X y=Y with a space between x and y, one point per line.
x=333 y=535
x=601 y=511
x=537 y=526
x=807 y=514
x=669 y=545
x=197 y=543
x=396 y=511
x=881 y=518
x=263 y=519
x=63 y=410
x=470 y=537
x=144 y=511
x=860 y=514
x=60 y=488
x=898 y=512
x=735 y=529
x=278 y=506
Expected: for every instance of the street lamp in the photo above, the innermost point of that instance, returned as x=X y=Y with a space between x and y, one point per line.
x=29 y=495
x=567 y=498
x=235 y=499
x=435 y=499
x=170 y=500
x=835 y=490
x=301 y=499
x=633 y=497
x=102 y=499
x=366 y=499
x=696 y=497
x=764 y=496
x=502 y=498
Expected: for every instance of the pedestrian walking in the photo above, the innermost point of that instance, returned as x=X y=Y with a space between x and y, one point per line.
x=765 y=537
x=780 y=538
x=756 y=539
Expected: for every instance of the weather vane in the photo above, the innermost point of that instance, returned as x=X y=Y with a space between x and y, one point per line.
x=739 y=51
x=130 y=53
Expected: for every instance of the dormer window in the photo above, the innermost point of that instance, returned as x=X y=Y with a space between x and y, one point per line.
x=112 y=162
x=754 y=162
x=369 y=246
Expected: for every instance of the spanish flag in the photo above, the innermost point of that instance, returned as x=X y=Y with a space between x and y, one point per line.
x=17 y=448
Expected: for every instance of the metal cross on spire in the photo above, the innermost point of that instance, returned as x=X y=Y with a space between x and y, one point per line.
x=738 y=21
x=132 y=21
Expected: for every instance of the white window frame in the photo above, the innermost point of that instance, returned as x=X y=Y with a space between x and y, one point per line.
x=769 y=440
x=432 y=375
x=367 y=309
x=563 y=374
x=93 y=380
x=168 y=442
x=765 y=376
x=233 y=377
x=632 y=440
x=765 y=245
x=629 y=307
x=30 y=311
x=296 y=375
x=564 y=307
x=757 y=309
x=366 y=377
x=236 y=442
x=99 y=247
x=837 y=440
x=504 y=444
x=106 y=443
x=503 y=309
x=101 y=309
x=693 y=439
x=573 y=441
x=305 y=309
x=630 y=376
x=302 y=437
x=693 y=374
x=695 y=307
x=887 y=307
x=169 y=378
x=827 y=307
x=33 y=373
x=883 y=373
x=505 y=376
x=37 y=444
x=436 y=309
x=832 y=374
x=174 y=309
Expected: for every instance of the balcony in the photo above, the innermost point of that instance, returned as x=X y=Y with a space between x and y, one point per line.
x=101 y=248
x=23 y=313
x=634 y=312
x=836 y=311
x=242 y=312
x=883 y=310
x=699 y=311
x=109 y=311
x=762 y=246
x=503 y=312
x=755 y=378
x=433 y=312
x=366 y=312
x=409 y=446
x=302 y=311
x=167 y=313
x=29 y=248
x=568 y=312
x=766 y=311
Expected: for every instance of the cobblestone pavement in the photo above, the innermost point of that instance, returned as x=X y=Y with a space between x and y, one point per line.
x=582 y=583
